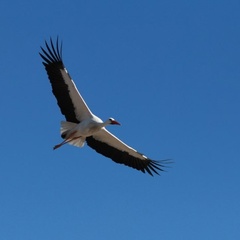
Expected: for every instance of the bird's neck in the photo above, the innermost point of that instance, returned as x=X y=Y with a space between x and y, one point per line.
x=104 y=124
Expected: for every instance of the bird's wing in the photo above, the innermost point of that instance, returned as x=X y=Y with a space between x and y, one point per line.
x=110 y=146
x=70 y=101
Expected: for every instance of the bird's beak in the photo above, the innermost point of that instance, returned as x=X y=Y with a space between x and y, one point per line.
x=115 y=122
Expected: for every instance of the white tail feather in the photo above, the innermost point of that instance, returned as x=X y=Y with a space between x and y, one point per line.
x=66 y=126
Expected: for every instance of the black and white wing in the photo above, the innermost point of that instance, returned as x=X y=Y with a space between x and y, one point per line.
x=70 y=101
x=110 y=146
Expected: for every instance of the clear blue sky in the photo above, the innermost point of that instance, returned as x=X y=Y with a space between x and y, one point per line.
x=169 y=71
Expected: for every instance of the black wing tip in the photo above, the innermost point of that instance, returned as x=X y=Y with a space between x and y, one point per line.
x=154 y=166
x=51 y=53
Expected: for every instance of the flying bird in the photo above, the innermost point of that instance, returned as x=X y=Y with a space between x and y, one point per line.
x=81 y=124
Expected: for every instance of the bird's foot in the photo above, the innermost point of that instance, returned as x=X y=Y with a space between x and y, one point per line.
x=57 y=146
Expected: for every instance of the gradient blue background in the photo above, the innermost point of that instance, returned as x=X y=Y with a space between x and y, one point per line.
x=169 y=71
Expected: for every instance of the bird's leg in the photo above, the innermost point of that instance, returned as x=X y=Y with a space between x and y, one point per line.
x=59 y=145
x=67 y=140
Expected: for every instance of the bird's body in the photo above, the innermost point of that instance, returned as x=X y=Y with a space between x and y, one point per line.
x=76 y=134
x=81 y=124
x=88 y=127
x=92 y=125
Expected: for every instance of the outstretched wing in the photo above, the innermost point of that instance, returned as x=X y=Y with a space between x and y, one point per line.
x=110 y=146
x=70 y=101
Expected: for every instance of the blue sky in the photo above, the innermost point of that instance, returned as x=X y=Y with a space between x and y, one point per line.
x=169 y=72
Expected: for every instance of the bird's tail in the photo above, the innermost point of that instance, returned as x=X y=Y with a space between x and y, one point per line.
x=66 y=127
x=66 y=133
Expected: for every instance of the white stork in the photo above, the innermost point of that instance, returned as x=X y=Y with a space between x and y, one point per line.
x=81 y=124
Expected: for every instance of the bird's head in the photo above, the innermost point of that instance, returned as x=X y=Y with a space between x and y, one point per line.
x=113 y=121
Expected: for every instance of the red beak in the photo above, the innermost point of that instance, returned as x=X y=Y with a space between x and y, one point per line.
x=115 y=122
